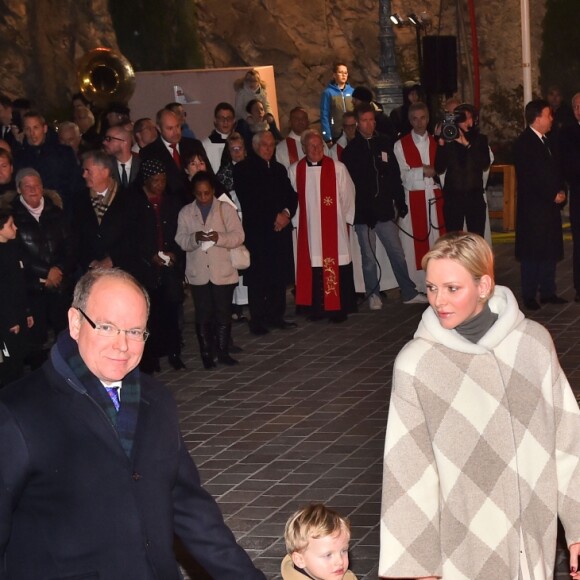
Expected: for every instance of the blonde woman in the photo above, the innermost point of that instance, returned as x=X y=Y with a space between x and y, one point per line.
x=482 y=453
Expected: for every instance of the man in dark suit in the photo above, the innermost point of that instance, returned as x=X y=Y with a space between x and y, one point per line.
x=541 y=196
x=95 y=476
x=117 y=143
x=56 y=163
x=173 y=150
x=105 y=227
x=570 y=154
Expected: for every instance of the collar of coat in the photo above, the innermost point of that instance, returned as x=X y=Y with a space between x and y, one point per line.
x=503 y=303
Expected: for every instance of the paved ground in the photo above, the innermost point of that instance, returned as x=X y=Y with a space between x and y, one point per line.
x=302 y=418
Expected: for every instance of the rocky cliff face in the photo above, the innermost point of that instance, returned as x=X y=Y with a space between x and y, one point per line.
x=40 y=41
x=302 y=40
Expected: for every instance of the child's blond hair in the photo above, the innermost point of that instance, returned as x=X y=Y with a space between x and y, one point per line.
x=312 y=521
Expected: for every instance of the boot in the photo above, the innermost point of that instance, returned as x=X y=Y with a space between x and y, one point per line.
x=234 y=348
x=205 y=338
x=223 y=344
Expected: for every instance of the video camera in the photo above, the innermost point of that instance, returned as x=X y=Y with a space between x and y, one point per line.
x=450 y=125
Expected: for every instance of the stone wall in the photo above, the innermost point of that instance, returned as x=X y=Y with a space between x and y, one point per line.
x=40 y=41
x=302 y=39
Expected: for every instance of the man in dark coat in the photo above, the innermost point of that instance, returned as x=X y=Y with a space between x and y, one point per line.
x=539 y=244
x=49 y=258
x=172 y=150
x=268 y=203
x=570 y=156
x=56 y=163
x=96 y=478
x=104 y=225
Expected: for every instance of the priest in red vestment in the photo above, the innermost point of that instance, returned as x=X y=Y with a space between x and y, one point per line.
x=415 y=153
x=326 y=195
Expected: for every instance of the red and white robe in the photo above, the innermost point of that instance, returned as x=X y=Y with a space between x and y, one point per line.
x=289 y=150
x=423 y=197
x=325 y=206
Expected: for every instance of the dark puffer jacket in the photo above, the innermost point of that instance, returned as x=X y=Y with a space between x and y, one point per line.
x=46 y=242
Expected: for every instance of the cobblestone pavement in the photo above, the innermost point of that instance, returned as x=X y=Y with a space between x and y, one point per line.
x=302 y=418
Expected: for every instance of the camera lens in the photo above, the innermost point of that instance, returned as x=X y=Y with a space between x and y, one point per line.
x=449 y=132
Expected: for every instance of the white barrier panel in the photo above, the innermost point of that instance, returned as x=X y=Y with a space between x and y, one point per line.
x=201 y=89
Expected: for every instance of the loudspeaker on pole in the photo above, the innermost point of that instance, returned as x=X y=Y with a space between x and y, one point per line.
x=440 y=64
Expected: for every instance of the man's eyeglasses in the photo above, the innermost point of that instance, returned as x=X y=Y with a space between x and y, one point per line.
x=110 y=330
x=109 y=138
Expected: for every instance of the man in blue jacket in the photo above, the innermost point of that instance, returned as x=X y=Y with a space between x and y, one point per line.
x=95 y=479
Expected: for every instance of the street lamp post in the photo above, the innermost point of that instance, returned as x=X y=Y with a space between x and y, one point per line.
x=389 y=89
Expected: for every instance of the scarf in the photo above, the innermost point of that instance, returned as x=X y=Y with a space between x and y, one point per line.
x=124 y=421
x=35 y=212
x=101 y=203
x=329 y=233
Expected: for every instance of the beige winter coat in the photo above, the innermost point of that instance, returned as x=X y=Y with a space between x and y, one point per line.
x=212 y=265
x=482 y=451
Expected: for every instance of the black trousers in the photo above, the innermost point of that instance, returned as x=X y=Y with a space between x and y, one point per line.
x=538 y=275
x=163 y=324
x=213 y=303
x=464 y=210
x=267 y=302
x=49 y=310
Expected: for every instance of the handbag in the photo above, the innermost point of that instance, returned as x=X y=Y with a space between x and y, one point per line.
x=240 y=256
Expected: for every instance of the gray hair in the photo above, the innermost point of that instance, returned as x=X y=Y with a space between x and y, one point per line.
x=309 y=134
x=69 y=125
x=418 y=107
x=26 y=172
x=258 y=137
x=99 y=157
x=85 y=285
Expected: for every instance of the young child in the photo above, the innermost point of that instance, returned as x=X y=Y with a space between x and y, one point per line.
x=317 y=543
x=15 y=316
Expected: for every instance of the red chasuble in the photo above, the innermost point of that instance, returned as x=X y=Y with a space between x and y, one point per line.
x=417 y=202
x=329 y=233
x=292 y=150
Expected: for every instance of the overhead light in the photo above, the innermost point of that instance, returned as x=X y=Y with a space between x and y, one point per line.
x=397 y=19
x=414 y=19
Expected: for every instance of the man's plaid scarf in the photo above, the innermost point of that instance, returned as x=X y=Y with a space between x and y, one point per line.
x=101 y=203
x=125 y=421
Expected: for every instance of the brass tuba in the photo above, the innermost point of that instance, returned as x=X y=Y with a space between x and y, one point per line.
x=105 y=76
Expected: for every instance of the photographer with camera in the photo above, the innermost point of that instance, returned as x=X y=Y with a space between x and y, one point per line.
x=463 y=155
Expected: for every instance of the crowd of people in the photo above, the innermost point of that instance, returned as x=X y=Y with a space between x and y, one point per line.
x=102 y=228
x=300 y=197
